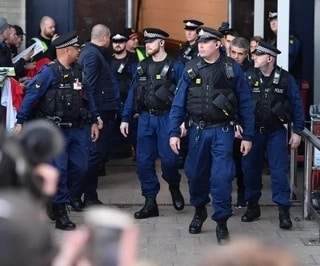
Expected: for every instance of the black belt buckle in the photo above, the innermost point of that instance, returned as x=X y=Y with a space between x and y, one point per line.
x=202 y=124
x=153 y=112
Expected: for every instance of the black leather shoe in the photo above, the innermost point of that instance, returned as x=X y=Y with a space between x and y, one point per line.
x=91 y=202
x=76 y=204
x=63 y=221
x=222 y=232
x=284 y=218
x=150 y=209
x=177 y=198
x=198 y=219
x=252 y=213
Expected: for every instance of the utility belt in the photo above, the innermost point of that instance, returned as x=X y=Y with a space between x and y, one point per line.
x=68 y=124
x=268 y=129
x=202 y=124
x=156 y=112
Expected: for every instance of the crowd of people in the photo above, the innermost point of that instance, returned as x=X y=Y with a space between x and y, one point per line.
x=222 y=105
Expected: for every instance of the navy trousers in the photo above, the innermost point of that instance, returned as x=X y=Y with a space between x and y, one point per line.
x=72 y=164
x=210 y=168
x=275 y=145
x=153 y=142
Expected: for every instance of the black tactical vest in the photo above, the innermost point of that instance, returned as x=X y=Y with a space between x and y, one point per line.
x=211 y=96
x=272 y=107
x=155 y=90
x=188 y=52
x=63 y=102
x=123 y=76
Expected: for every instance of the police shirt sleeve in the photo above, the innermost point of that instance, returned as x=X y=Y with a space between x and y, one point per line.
x=296 y=104
x=178 y=108
x=245 y=104
x=34 y=91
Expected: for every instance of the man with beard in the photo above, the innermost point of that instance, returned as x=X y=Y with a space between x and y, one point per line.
x=151 y=95
x=47 y=34
x=189 y=49
x=124 y=65
x=103 y=89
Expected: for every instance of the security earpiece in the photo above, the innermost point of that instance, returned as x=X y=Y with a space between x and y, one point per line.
x=161 y=43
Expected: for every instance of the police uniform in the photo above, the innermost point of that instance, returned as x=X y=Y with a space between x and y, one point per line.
x=277 y=102
x=151 y=96
x=189 y=51
x=124 y=70
x=56 y=94
x=294 y=48
x=207 y=95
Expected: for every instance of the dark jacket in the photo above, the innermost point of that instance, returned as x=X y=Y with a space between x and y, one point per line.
x=100 y=83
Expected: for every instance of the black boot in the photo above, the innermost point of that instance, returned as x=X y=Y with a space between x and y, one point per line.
x=76 y=204
x=62 y=219
x=177 y=198
x=252 y=213
x=198 y=219
x=222 y=232
x=91 y=202
x=150 y=209
x=284 y=218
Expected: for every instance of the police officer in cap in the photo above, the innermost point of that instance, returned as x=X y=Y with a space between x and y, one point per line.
x=294 y=43
x=277 y=102
x=151 y=95
x=211 y=93
x=56 y=94
x=189 y=49
x=124 y=65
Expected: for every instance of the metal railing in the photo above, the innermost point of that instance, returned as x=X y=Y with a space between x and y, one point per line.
x=311 y=142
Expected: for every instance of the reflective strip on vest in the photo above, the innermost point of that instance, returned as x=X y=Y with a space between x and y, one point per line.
x=140 y=54
x=43 y=44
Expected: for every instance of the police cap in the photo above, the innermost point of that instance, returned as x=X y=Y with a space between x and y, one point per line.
x=119 y=38
x=207 y=34
x=150 y=34
x=266 y=48
x=192 y=24
x=272 y=15
x=65 y=40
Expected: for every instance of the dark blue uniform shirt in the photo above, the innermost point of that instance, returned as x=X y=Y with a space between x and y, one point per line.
x=37 y=88
x=246 y=113
x=175 y=74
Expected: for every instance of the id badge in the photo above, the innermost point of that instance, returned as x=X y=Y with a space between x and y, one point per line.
x=77 y=85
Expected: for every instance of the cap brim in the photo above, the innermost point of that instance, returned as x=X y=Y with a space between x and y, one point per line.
x=206 y=39
x=190 y=28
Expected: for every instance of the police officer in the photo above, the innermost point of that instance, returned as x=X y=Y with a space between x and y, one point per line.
x=151 y=95
x=56 y=93
x=277 y=102
x=294 y=43
x=208 y=93
x=124 y=65
x=189 y=49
